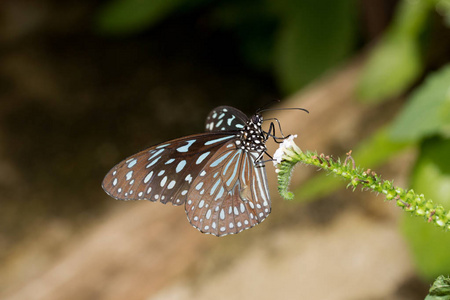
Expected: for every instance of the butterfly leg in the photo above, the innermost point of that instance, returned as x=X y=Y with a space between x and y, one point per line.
x=260 y=163
x=272 y=133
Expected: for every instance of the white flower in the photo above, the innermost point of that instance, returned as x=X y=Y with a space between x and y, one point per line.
x=288 y=143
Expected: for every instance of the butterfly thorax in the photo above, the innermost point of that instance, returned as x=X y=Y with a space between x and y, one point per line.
x=251 y=138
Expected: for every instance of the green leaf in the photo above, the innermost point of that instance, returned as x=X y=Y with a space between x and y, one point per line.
x=443 y=7
x=440 y=290
x=119 y=17
x=314 y=37
x=428 y=110
x=410 y=17
x=396 y=62
x=430 y=245
x=393 y=66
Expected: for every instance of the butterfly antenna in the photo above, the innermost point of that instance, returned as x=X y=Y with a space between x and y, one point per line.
x=267 y=104
x=292 y=108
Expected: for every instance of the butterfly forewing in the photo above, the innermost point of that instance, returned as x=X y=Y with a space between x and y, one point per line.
x=164 y=172
x=225 y=118
x=232 y=194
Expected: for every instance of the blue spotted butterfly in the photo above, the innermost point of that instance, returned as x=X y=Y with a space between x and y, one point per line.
x=219 y=175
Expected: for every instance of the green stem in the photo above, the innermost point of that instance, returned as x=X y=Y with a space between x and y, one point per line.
x=408 y=200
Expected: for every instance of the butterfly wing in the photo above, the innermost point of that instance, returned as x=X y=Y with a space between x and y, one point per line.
x=225 y=118
x=164 y=172
x=230 y=194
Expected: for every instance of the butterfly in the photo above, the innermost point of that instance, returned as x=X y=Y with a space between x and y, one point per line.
x=219 y=176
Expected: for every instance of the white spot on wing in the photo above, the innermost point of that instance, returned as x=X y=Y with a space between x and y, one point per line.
x=147 y=178
x=185 y=148
x=163 y=181
x=188 y=178
x=162 y=146
x=220 y=194
x=230 y=120
x=132 y=163
x=236 y=211
x=220 y=159
x=156 y=154
x=199 y=186
x=153 y=162
x=171 y=184
x=219 y=140
x=129 y=174
x=202 y=157
x=180 y=166
x=170 y=161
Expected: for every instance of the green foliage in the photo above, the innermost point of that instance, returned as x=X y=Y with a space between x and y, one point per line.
x=430 y=246
x=373 y=152
x=443 y=7
x=119 y=17
x=428 y=111
x=396 y=62
x=314 y=36
x=440 y=290
x=290 y=154
x=410 y=17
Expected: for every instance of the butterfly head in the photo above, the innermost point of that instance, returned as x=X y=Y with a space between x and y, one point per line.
x=257 y=120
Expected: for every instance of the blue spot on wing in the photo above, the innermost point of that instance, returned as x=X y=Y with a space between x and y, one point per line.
x=220 y=159
x=185 y=148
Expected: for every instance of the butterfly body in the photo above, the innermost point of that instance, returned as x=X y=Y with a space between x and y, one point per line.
x=218 y=175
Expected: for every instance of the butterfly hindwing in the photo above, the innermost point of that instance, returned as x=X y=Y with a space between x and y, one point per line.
x=163 y=172
x=225 y=118
x=230 y=195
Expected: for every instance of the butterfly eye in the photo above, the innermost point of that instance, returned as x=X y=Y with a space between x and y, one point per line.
x=220 y=180
x=256 y=119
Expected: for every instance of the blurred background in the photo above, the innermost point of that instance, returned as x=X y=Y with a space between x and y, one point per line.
x=84 y=84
